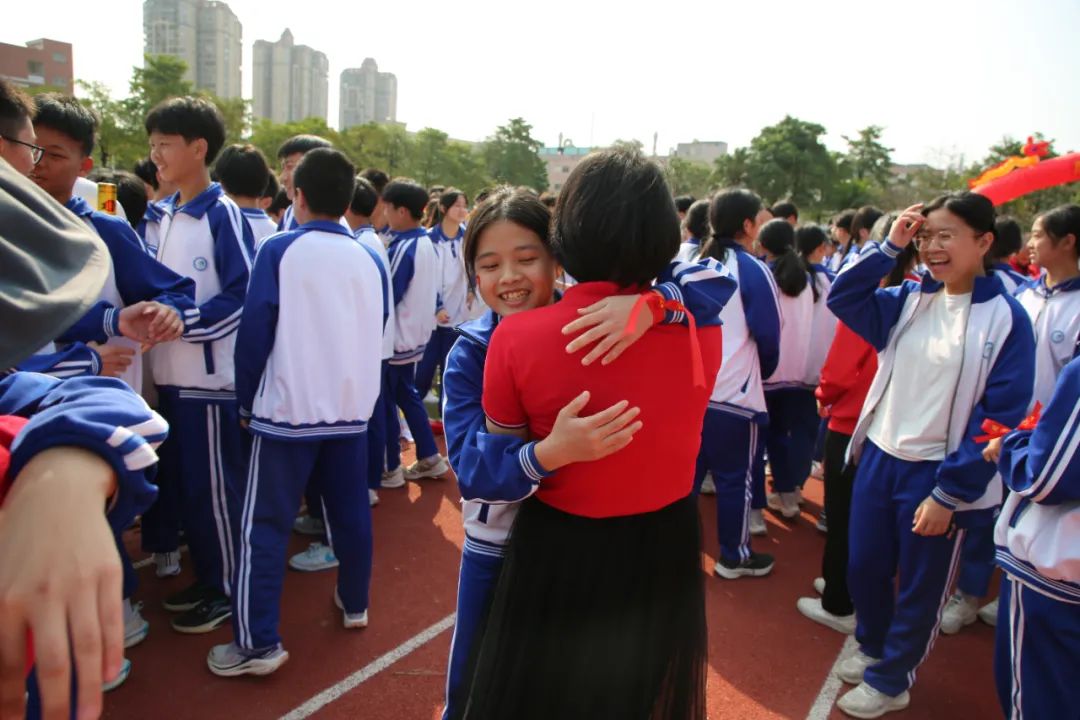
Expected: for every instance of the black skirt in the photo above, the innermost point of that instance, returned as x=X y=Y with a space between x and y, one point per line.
x=596 y=618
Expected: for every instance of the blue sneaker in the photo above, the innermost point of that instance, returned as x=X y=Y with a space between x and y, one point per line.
x=121 y=676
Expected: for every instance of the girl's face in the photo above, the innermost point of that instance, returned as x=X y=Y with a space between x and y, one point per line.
x=458 y=211
x=514 y=269
x=951 y=250
x=1044 y=252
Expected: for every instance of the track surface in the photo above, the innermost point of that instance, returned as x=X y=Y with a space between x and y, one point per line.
x=765 y=659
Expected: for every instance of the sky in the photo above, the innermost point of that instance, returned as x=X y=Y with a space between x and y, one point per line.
x=945 y=78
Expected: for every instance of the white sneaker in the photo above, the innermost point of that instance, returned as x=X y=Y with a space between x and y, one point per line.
x=316 y=557
x=819 y=585
x=406 y=432
x=350 y=620
x=799 y=499
x=866 y=702
x=136 y=628
x=373 y=497
x=787 y=504
x=308 y=525
x=229 y=660
x=757 y=523
x=811 y=608
x=851 y=670
x=822 y=523
x=393 y=479
x=125 y=670
x=432 y=467
x=817 y=470
x=708 y=486
x=989 y=613
x=961 y=611
x=168 y=564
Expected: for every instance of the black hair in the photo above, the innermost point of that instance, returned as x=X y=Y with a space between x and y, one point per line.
x=130 y=191
x=784 y=210
x=549 y=199
x=864 y=219
x=16 y=108
x=378 y=179
x=272 y=186
x=445 y=201
x=280 y=203
x=406 y=193
x=435 y=191
x=192 y=118
x=504 y=204
x=326 y=178
x=146 y=171
x=364 y=197
x=977 y=211
x=728 y=212
x=843 y=220
x=683 y=203
x=904 y=261
x=431 y=210
x=697 y=220
x=808 y=239
x=486 y=192
x=302 y=144
x=778 y=237
x=242 y=170
x=65 y=114
x=1008 y=237
x=1061 y=221
x=615 y=219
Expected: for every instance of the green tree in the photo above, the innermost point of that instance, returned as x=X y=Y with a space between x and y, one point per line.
x=867 y=159
x=632 y=145
x=732 y=170
x=237 y=114
x=687 y=177
x=268 y=136
x=161 y=77
x=512 y=156
x=430 y=156
x=789 y=161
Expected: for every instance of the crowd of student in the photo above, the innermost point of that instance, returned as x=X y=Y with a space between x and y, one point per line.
x=284 y=331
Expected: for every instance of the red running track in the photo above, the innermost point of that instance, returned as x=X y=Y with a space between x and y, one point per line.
x=765 y=659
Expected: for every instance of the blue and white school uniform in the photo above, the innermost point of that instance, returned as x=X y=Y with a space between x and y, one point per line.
x=414 y=271
x=789 y=442
x=262 y=226
x=689 y=249
x=1012 y=280
x=732 y=441
x=134 y=276
x=946 y=363
x=1038 y=547
x=307 y=377
x=453 y=297
x=836 y=261
x=821 y=337
x=376 y=433
x=149 y=227
x=1055 y=316
x=496 y=472
x=202 y=469
x=75 y=360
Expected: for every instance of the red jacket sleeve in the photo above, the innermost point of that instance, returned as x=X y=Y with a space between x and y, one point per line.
x=9 y=428
x=848 y=356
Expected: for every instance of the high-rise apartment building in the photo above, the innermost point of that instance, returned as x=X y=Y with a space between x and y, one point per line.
x=367 y=95
x=290 y=81
x=205 y=34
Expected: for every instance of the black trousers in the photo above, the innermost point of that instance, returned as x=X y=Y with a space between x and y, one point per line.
x=839 y=480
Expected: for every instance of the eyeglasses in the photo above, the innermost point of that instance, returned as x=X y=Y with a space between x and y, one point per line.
x=924 y=238
x=36 y=151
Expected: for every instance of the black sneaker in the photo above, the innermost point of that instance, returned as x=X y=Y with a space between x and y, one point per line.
x=204 y=617
x=189 y=598
x=758 y=565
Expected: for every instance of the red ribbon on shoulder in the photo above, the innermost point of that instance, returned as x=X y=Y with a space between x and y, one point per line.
x=994 y=429
x=659 y=305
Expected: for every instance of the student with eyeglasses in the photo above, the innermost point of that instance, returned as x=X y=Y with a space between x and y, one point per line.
x=954 y=350
x=17 y=138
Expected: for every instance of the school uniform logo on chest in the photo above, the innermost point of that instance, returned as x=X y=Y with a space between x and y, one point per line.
x=200 y=263
x=1057 y=336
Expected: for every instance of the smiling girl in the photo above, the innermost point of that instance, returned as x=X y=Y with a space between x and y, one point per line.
x=954 y=350
x=507 y=250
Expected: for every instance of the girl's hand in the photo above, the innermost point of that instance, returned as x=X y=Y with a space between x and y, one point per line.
x=931 y=518
x=992 y=451
x=605 y=321
x=582 y=439
x=907 y=226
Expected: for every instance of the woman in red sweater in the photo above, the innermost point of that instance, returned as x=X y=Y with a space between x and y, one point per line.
x=845 y=380
x=600 y=608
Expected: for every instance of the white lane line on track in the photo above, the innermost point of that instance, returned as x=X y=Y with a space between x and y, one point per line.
x=370 y=670
x=823 y=704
